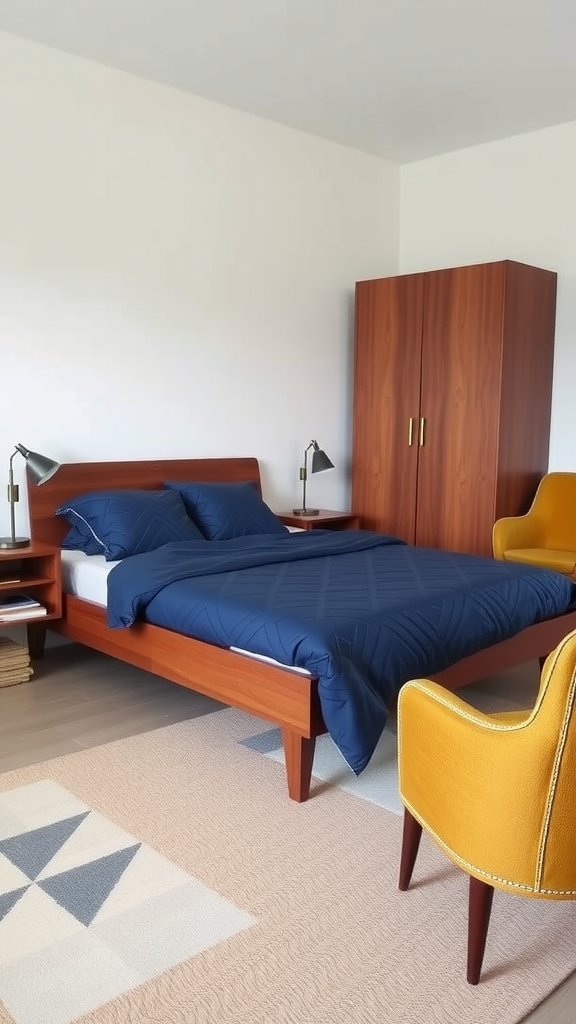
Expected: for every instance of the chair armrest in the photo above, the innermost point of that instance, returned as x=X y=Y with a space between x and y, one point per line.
x=516 y=532
x=474 y=781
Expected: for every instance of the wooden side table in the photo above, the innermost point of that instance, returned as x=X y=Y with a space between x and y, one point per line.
x=325 y=520
x=36 y=572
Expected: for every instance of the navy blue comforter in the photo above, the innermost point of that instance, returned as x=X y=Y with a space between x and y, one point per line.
x=361 y=611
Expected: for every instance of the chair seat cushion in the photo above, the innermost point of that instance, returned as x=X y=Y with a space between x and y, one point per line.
x=561 y=561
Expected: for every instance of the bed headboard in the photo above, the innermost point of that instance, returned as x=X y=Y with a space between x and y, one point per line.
x=75 y=478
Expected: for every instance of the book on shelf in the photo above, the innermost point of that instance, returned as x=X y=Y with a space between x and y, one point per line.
x=20 y=606
x=18 y=598
x=33 y=613
x=18 y=601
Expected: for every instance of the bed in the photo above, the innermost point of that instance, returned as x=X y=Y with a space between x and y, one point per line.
x=266 y=689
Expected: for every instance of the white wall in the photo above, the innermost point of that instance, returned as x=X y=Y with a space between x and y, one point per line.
x=514 y=199
x=176 y=277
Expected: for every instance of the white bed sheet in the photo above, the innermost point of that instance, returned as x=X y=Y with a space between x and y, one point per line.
x=86 y=576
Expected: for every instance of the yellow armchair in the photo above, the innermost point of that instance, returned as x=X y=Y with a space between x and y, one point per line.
x=546 y=535
x=495 y=792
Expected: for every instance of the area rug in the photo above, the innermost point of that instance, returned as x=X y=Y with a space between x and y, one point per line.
x=168 y=878
x=378 y=783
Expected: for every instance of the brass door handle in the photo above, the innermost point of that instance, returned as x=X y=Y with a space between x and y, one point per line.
x=422 y=439
x=410 y=431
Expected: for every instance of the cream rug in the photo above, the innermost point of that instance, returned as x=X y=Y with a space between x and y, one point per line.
x=167 y=878
x=378 y=783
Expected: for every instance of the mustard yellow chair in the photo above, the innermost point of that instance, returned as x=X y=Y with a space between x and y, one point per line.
x=546 y=535
x=497 y=792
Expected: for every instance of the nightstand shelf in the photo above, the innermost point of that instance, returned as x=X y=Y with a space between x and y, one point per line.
x=30 y=581
x=36 y=572
x=327 y=519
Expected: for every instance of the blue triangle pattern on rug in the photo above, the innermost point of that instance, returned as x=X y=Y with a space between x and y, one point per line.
x=10 y=899
x=83 y=890
x=32 y=851
x=264 y=742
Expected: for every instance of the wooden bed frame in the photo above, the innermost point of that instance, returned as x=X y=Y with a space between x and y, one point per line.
x=287 y=699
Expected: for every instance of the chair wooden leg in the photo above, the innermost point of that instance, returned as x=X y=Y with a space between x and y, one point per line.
x=411 y=835
x=479 y=907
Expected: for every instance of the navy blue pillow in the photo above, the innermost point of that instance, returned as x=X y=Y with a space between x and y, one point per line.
x=127 y=522
x=225 y=511
x=81 y=538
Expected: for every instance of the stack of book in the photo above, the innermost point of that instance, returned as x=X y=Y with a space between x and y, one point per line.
x=14 y=663
x=14 y=607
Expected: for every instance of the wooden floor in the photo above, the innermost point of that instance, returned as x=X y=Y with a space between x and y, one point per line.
x=78 y=698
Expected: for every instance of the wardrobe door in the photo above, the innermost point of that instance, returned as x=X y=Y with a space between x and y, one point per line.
x=461 y=372
x=526 y=392
x=388 y=349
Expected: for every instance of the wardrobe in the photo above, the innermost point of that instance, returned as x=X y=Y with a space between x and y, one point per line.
x=452 y=399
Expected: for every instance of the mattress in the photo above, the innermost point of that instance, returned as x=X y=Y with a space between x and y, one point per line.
x=86 y=576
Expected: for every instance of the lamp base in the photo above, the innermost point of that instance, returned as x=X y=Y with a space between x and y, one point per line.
x=6 y=543
x=306 y=511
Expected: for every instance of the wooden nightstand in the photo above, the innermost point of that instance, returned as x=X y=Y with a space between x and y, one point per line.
x=325 y=520
x=35 y=571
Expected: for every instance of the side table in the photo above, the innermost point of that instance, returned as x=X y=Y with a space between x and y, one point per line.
x=327 y=519
x=35 y=572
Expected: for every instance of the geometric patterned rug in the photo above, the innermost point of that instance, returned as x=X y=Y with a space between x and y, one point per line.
x=83 y=901
x=378 y=783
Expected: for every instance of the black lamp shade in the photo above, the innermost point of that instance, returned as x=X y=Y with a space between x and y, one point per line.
x=39 y=467
x=320 y=461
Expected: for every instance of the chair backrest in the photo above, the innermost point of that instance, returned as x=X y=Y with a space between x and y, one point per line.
x=554 y=507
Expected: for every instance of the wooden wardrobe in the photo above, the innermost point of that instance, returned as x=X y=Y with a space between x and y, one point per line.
x=452 y=398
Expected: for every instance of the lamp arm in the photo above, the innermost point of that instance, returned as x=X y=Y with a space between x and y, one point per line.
x=304 y=478
x=304 y=472
x=13 y=497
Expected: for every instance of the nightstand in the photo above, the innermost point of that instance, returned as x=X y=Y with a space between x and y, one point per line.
x=325 y=520
x=35 y=571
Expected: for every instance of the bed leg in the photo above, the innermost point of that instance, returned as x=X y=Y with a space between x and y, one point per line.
x=299 y=755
